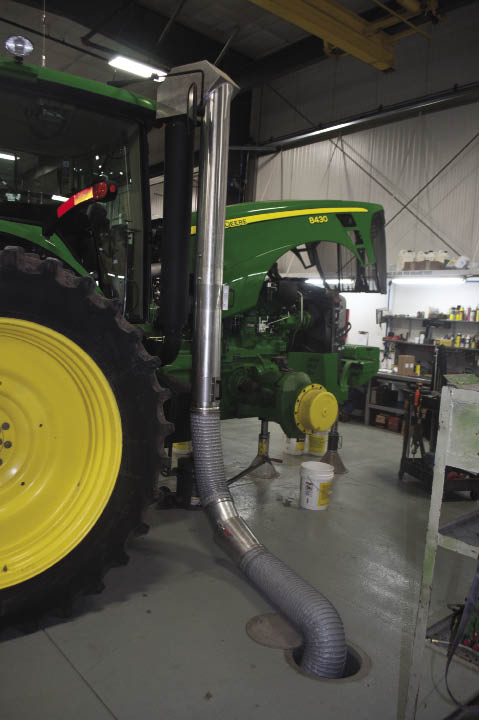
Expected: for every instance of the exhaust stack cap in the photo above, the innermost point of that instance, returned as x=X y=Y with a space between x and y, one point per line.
x=186 y=83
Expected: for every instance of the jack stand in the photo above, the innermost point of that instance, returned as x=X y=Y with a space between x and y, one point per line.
x=186 y=494
x=332 y=456
x=262 y=465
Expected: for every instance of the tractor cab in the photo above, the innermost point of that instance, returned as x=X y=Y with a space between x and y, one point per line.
x=73 y=179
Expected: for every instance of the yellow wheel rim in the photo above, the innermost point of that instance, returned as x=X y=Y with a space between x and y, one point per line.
x=60 y=451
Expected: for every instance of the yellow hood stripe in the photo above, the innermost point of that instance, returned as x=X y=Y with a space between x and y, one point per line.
x=262 y=217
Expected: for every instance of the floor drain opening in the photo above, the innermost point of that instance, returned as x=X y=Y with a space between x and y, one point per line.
x=274 y=631
x=356 y=665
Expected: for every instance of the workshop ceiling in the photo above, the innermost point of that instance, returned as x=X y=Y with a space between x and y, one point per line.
x=265 y=38
x=259 y=32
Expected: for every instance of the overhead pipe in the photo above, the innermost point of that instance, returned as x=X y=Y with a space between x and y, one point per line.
x=324 y=650
x=458 y=96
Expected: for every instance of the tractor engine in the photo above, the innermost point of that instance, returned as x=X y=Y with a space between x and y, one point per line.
x=262 y=352
x=285 y=360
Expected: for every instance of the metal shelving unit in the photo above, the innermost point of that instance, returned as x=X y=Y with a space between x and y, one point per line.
x=457 y=446
x=395 y=379
x=386 y=408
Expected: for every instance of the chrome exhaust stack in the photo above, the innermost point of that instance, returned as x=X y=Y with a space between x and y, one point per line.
x=324 y=651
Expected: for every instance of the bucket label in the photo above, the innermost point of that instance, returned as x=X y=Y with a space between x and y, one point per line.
x=299 y=445
x=324 y=493
x=308 y=491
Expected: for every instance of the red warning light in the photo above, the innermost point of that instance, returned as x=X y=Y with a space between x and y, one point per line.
x=98 y=191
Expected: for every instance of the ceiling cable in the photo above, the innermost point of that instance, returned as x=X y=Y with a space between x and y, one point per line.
x=44 y=19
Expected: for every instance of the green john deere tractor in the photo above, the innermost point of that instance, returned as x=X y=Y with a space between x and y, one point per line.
x=97 y=331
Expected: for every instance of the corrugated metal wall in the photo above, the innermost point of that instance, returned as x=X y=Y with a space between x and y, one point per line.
x=401 y=157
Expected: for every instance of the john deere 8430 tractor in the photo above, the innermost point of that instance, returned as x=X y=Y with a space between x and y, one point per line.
x=109 y=332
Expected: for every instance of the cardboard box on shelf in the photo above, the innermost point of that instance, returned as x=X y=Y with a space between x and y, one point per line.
x=394 y=423
x=424 y=265
x=381 y=420
x=406 y=364
x=374 y=397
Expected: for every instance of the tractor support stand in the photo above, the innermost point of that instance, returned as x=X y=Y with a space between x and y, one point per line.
x=262 y=465
x=332 y=456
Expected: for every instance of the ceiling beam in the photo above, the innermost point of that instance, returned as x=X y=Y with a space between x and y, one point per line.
x=338 y=26
x=182 y=44
x=411 y=5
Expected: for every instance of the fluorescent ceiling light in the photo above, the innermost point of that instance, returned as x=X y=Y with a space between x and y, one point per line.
x=330 y=281
x=428 y=281
x=136 y=68
x=6 y=156
x=59 y=198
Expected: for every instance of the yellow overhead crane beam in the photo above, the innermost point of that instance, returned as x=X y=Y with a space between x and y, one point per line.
x=338 y=26
x=411 y=5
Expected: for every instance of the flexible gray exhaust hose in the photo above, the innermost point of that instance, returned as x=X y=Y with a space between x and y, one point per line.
x=324 y=651
x=208 y=454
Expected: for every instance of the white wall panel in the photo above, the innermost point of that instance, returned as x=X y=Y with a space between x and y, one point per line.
x=408 y=299
x=402 y=157
x=157 y=188
x=362 y=316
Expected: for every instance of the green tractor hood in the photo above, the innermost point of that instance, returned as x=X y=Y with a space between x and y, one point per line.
x=258 y=234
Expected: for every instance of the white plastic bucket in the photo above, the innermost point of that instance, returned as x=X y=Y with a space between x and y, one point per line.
x=293 y=446
x=317 y=443
x=316 y=482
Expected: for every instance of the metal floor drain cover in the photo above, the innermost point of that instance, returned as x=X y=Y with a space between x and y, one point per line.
x=273 y=631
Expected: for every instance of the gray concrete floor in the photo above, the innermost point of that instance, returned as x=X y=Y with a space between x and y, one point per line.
x=167 y=638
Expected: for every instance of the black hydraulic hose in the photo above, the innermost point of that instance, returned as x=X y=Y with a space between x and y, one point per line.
x=174 y=279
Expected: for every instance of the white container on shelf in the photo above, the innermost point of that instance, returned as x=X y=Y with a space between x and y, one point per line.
x=404 y=256
x=293 y=446
x=442 y=256
x=315 y=488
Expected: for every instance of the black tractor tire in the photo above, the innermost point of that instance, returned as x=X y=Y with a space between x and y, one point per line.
x=44 y=292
